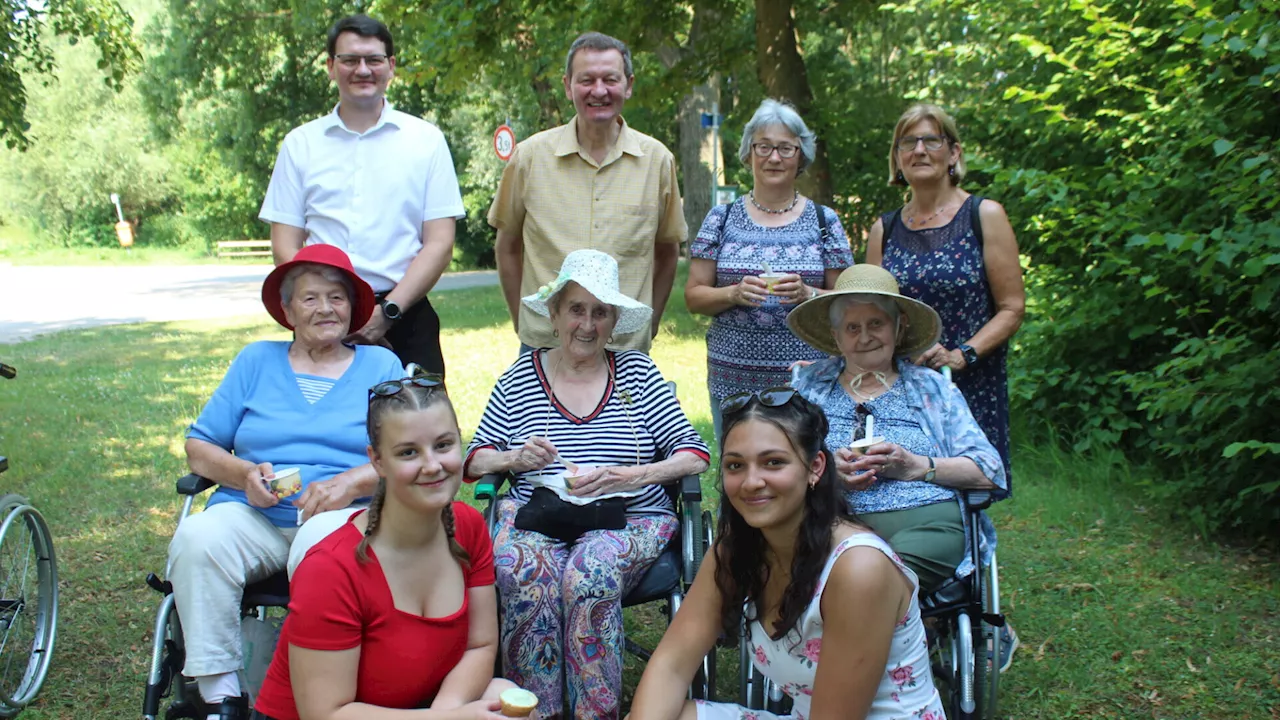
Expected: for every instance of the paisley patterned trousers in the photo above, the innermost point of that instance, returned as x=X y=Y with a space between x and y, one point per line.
x=562 y=609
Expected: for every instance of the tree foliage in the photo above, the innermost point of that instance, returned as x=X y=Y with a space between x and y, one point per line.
x=25 y=30
x=1134 y=144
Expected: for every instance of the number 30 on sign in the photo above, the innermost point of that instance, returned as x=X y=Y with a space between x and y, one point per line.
x=504 y=142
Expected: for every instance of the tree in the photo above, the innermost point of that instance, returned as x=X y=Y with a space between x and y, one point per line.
x=25 y=30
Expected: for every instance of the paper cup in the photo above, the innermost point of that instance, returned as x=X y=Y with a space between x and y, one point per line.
x=770 y=279
x=287 y=481
x=860 y=446
x=583 y=471
x=517 y=702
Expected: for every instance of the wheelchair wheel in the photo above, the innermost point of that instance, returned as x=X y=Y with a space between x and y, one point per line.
x=28 y=603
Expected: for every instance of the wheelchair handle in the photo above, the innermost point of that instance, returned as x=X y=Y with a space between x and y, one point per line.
x=8 y=371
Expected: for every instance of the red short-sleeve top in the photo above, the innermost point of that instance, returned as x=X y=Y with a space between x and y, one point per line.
x=337 y=603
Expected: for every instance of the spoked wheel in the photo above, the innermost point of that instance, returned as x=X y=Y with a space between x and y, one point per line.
x=28 y=603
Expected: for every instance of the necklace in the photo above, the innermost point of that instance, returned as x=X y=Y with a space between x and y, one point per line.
x=855 y=384
x=794 y=199
x=912 y=220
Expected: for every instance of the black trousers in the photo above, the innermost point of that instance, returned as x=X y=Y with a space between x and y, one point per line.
x=415 y=337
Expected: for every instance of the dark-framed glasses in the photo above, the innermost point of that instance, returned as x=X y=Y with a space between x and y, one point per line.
x=771 y=397
x=392 y=387
x=785 y=150
x=907 y=143
x=351 y=62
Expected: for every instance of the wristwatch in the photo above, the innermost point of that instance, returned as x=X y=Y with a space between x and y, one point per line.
x=970 y=355
x=391 y=309
x=932 y=472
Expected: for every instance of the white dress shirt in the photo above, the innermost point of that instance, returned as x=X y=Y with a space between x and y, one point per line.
x=367 y=193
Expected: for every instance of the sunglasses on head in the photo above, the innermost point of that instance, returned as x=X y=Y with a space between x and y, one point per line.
x=420 y=379
x=770 y=397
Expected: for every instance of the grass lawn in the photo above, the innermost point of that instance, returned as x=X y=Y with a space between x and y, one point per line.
x=1121 y=613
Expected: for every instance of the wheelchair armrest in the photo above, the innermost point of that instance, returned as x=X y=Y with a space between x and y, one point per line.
x=691 y=490
x=488 y=486
x=978 y=499
x=193 y=484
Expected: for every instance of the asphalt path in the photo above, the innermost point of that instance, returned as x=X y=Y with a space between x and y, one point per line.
x=42 y=299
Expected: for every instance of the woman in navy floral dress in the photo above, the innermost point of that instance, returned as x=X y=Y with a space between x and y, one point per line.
x=974 y=283
x=775 y=230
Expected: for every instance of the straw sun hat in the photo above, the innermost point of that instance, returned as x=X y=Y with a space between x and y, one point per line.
x=811 y=320
x=597 y=273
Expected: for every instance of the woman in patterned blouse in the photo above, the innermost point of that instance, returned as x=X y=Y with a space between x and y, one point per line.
x=925 y=444
x=758 y=257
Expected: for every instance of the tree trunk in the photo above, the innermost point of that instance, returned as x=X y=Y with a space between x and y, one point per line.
x=782 y=73
x=696 y=153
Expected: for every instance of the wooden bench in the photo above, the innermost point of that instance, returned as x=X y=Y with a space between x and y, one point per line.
x=244 y=248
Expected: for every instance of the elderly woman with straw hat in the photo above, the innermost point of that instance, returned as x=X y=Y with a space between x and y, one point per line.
x=591 y=435
x=903 y=436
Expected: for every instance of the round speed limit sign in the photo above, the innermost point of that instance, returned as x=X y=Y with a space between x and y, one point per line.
x=504 y=142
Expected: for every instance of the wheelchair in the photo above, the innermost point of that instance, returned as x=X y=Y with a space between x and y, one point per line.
x=966 y=621
x=165 y=680
x=671 y=574
x=28 y=597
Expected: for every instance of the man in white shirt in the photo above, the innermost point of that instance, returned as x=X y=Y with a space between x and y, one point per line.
x=376 y=182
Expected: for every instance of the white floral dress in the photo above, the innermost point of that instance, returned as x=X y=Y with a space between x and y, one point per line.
x=906 y=691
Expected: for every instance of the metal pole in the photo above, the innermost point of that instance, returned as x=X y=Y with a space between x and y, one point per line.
x=715 y=151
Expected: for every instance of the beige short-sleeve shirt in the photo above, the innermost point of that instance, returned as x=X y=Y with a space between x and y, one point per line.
x=560 y=200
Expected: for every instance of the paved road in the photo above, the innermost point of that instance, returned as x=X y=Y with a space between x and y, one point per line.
x=36 y=300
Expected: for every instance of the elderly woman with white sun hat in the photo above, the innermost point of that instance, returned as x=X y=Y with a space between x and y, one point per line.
x=565 y=552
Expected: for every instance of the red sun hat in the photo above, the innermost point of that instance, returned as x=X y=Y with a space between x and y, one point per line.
x=362 y=304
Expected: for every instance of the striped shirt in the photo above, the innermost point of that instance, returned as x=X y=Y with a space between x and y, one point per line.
x=314 y=387
x=638 y=414
x=559 y=199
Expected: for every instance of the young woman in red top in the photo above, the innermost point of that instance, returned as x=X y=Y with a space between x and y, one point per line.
x=394 y=616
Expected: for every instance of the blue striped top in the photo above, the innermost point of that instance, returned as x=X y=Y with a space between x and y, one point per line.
x=314 y=387
x=638 y=412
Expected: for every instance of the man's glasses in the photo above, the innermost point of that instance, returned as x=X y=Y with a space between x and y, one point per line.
x=351 y=62
x=772 y=397
x=764 y=150
x=393 y=387
x=907 y=143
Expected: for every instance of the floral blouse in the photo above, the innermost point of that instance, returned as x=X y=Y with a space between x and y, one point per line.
x=906 y=690
x=944 y=416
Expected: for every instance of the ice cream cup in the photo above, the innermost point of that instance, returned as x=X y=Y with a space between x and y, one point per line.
x=517 y=702
x=583 y=471
x=860 y=446
x=770 y=280
x=287 y=481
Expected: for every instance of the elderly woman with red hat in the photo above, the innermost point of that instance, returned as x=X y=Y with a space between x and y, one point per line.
x=292 y=412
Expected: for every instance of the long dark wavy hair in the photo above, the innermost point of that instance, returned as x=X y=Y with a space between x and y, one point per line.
x=411 y=397
x=741 y=570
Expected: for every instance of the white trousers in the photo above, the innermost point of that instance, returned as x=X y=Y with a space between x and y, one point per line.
x=213 y=556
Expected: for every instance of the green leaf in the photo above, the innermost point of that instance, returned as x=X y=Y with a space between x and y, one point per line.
x=1253 y=162
x=1221 y=146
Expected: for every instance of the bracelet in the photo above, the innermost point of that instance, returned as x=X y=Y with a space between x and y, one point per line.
x=813 y=292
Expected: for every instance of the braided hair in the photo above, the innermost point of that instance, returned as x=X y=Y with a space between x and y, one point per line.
x=409 y=398
x=741 y=574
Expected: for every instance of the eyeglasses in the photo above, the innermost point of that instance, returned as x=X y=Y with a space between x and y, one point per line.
x=351 y=62
x=907 y=143
x=764 y=150
x=772 y=397
x=393 y=387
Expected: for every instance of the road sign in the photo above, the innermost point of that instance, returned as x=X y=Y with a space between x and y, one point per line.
x=711 y=120
x=504 y=142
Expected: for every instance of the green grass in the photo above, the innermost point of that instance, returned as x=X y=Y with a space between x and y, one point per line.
x=1122 y=614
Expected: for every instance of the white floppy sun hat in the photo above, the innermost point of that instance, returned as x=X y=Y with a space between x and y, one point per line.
x=597 y=273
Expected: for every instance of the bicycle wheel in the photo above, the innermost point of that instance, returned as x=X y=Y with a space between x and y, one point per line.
x=28 y=603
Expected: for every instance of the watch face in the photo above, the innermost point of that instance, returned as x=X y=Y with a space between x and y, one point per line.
x=391 y=310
